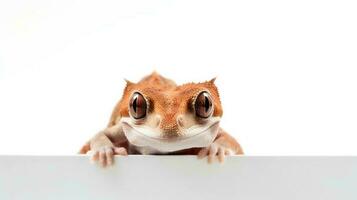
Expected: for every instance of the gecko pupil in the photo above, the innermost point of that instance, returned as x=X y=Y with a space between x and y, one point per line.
x=203 y=105
x=138 y=106
x=206 y=104
x=134 y=104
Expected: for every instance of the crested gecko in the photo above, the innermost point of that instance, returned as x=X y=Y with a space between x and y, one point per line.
x=156 y=116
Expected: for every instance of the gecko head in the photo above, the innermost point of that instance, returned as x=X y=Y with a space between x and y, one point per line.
x=162 y=115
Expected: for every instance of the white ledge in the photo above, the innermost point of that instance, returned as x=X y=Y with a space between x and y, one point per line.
x=179 y=177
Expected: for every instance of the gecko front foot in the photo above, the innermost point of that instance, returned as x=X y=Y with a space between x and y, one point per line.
x=105 y=155
x=215 y=150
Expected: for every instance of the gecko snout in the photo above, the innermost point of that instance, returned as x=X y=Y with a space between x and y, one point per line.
x=171 y=126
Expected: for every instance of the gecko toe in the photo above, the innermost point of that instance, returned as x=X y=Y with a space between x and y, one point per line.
x=120 y=151
x=221 y=155
x=109 y=156
x=102 y=158
x=95 y=156
x=202 y=153
x=212 y=153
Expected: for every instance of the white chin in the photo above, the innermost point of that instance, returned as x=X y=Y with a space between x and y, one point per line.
x=201 y=139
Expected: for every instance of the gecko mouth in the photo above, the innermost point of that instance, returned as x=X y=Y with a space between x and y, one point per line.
x=130 y=128
x=196 y=137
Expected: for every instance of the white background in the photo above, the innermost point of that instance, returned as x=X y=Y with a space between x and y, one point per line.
x=286 y=69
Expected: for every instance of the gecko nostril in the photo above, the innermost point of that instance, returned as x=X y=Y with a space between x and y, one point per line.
x=158 y=121
x=180 y=121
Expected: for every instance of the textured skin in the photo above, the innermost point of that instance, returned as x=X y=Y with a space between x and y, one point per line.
x=169 y=100
x=166 y=96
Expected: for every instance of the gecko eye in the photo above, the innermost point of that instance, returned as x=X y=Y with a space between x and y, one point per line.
x=203 y=105
x=137 y=106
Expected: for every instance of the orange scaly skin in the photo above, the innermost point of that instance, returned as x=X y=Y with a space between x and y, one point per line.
x=170 y=111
